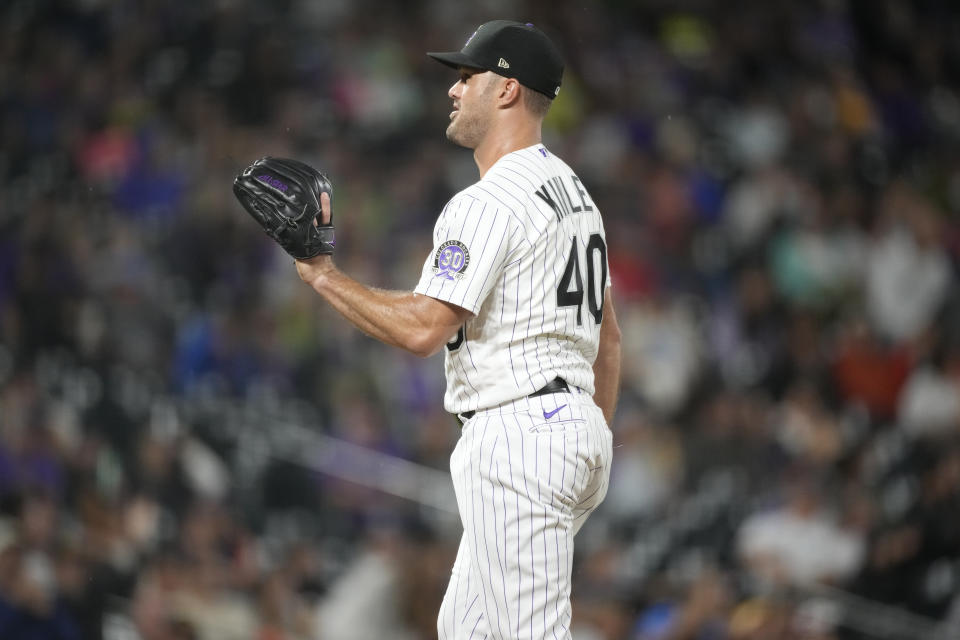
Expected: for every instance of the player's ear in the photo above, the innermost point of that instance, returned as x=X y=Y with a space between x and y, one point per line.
x=510 y=92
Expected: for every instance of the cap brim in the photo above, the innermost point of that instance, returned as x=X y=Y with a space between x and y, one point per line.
x=454 y=59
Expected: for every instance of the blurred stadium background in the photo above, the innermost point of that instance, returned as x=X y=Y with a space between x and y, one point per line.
x=193 y=447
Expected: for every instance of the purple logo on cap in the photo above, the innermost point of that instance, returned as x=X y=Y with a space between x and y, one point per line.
x=270 y=181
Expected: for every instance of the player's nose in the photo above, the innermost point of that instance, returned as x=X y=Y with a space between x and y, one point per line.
x=454 y=91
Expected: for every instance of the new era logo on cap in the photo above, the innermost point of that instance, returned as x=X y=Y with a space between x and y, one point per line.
x=503 y=64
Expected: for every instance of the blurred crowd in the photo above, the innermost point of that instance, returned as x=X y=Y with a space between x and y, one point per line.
x=781 y=189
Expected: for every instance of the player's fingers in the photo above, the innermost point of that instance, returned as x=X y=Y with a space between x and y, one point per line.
x=326 y=213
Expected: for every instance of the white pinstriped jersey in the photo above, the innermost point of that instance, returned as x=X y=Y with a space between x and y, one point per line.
x=524 y=250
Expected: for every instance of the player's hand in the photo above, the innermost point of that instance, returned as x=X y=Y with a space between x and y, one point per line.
x=311 y=269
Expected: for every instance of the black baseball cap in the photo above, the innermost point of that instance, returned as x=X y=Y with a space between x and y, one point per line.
x=513 y=50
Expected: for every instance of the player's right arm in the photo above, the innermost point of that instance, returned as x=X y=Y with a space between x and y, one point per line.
x=606 y=368
x=416 y=323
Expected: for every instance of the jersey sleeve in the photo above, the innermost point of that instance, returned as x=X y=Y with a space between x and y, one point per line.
x=471 y=242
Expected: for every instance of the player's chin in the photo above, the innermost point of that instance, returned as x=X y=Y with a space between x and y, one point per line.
x=466 y=134
x=454 y=136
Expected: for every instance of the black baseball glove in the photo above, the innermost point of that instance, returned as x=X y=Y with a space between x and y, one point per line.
x=283 y=196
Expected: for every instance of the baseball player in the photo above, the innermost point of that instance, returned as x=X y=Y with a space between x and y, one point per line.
x=516 y=292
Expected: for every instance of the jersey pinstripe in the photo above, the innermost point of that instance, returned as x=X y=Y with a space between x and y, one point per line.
x=524 y=250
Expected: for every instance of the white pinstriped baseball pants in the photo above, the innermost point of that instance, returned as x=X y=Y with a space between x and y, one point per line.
x=526 y=477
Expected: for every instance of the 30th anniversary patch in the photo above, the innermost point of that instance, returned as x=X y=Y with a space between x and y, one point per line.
x=451 y=260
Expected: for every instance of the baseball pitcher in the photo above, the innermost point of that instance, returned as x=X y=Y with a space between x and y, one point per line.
x=516 y=292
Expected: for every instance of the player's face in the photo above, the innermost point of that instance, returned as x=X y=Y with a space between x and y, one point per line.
x=472 y=111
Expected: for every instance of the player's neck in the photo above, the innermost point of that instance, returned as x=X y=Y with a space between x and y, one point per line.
x=503 y=140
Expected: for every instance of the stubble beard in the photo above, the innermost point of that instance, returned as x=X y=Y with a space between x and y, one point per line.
x=467 y=130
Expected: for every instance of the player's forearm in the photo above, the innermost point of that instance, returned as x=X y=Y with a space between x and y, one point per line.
x=606 y=368
x=366 y=308
x=389 y=316
x=606 y=380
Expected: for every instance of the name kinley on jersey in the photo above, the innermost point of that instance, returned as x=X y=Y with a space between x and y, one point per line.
x=554 y=194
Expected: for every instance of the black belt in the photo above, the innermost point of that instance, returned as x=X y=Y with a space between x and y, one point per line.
x=557 y=385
